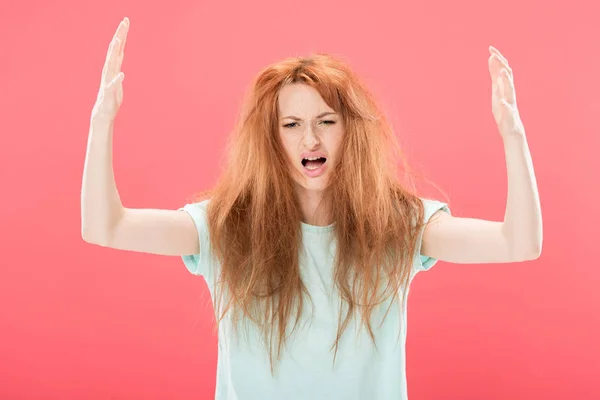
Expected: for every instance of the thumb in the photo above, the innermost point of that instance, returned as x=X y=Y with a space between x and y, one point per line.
x=116 y=81
x=506 y=104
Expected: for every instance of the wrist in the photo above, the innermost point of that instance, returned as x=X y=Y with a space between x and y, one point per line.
x=101 y=121
x=514 y=140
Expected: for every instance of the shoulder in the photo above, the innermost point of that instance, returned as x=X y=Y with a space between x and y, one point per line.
x=432 y=210
x=432 y=207
x=198 y=204
x=198 y=212
x=197 y=209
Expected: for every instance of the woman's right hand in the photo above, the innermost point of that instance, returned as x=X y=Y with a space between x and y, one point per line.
x=110 y=95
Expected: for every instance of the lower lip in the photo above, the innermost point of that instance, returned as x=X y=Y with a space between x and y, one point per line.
x=313 y=173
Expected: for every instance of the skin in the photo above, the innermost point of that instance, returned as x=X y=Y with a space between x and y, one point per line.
x=519 y=236
x=309 y=132
x=106 y=222
x=454 y=239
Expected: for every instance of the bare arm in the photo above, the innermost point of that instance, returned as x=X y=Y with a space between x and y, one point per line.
x=104 y=220
x=519 y=236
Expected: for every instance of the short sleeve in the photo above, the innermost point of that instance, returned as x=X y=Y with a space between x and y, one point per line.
x=430 y=207
x=202 y=263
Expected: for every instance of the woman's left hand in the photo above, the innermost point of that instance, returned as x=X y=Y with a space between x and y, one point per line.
x=504 y=101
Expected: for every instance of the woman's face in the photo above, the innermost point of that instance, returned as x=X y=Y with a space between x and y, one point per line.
x=311 y=133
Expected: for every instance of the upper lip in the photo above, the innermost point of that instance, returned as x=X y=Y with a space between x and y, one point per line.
x=313 y=154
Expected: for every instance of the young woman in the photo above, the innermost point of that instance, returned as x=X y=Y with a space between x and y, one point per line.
x=309 y=241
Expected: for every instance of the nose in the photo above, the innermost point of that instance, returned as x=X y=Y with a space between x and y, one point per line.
x=310 y=139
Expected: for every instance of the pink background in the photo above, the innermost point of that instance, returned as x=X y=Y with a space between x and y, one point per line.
x=83 y=322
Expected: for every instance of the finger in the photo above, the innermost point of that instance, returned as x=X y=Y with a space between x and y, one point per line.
x=123 y=39
x=119 y=34
x=123 y=43
x=113 y=61
x=508 y=87
x=122 y=27
x=501 y=59
x=494 y=50
x=500 y=86
x=503 y=63
x=121 y=52
x=509 y=80
x=122 y=34
x=119 y=61
x=497 y=65
x=496 y=87
x=106 y=77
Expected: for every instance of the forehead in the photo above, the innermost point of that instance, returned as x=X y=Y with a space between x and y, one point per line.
x=301 y=99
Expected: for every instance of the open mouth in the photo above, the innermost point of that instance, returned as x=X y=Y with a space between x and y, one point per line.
x=313 y=163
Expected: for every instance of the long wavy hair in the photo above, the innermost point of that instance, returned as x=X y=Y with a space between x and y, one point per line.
x=254 y=215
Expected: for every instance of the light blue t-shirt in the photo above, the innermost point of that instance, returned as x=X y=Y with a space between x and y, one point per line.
x=306 y=369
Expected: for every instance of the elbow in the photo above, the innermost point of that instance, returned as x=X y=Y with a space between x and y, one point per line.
x=528 y=253
x=92 y=237
x=522 y=246
x=85 y=235
x=535 y=249
x=88 y=238
x=533 y=254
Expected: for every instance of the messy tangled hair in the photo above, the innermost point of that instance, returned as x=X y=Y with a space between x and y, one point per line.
x=254 y=215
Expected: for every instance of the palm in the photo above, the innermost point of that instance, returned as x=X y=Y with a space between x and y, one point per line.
x=504 y=101
x=110 y=95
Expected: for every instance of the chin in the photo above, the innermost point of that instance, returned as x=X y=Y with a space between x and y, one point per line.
x=312 y=184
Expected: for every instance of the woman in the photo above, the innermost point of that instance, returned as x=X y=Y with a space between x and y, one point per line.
x=309 y=242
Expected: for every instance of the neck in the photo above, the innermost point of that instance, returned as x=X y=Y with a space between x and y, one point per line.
x=315 y=210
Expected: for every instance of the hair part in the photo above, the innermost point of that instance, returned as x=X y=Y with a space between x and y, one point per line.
x=254 y=215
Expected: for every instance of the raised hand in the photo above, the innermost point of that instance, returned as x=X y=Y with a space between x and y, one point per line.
x=504 y=101
x=110 y=95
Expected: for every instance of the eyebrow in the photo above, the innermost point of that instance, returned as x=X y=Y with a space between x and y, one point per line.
x=318 y=116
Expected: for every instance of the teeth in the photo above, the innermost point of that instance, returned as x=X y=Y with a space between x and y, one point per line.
x=305 y=162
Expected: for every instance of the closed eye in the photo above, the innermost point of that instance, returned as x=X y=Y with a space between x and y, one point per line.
x=292 y=124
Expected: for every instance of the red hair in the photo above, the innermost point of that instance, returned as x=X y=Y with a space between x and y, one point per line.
x=254 y=216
